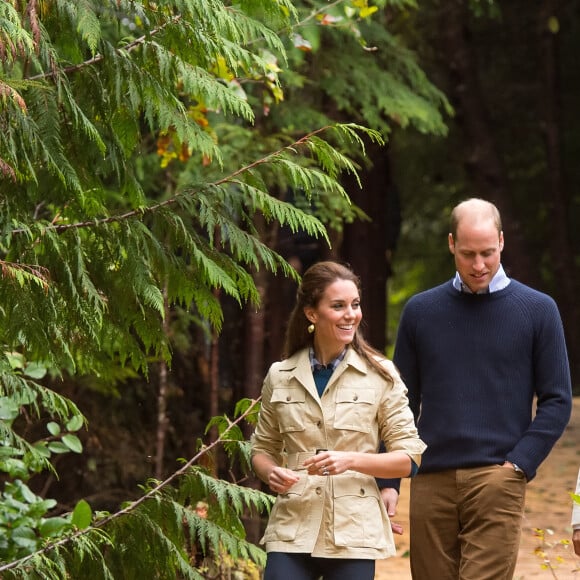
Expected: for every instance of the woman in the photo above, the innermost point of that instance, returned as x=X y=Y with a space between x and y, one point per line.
x=325 y=410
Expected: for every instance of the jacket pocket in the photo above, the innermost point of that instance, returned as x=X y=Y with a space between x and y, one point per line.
x=290 y=405
x=355 y=409
x=358 y=518
x=286 y=515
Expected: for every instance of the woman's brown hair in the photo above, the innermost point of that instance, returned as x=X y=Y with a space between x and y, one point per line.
x=313 y=285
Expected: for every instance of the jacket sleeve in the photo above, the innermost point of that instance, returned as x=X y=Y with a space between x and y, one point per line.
x=397 y=425
x=267 y=437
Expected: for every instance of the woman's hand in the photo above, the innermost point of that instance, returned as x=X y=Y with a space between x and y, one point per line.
x=329 y=463
x=281 y=479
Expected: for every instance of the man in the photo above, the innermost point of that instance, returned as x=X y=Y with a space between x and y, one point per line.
x=474 y=352
x=576 y=520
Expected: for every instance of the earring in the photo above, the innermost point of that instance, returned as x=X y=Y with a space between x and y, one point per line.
x=310 y=328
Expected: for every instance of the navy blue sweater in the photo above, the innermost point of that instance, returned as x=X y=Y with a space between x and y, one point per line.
x=473 y=364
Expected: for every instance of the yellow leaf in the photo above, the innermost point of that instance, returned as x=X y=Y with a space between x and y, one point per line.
x=553 y=25
x=366 y=12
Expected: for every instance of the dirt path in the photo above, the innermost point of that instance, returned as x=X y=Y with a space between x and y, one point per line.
x=548 y=508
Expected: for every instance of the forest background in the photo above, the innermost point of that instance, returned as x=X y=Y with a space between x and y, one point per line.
x=169 y=169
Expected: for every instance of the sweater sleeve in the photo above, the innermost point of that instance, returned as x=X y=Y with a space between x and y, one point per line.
x=552 y=387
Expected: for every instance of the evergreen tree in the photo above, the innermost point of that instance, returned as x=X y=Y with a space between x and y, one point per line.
x=132 y=165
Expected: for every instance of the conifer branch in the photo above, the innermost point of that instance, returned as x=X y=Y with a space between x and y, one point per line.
x=98 y=526
x=131 y=507
x=140 y=212
x=99 y=57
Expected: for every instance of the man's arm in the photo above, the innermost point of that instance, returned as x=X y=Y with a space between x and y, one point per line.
x=553 y=389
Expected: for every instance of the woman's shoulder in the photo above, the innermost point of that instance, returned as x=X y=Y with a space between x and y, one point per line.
x=389 y=366
x=290 y=363
x=386 y=363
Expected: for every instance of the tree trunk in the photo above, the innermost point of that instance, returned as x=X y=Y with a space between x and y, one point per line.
x=214 y=378
x=484 y=165
x=368 y=246
x=562 y=258
x=162 y=420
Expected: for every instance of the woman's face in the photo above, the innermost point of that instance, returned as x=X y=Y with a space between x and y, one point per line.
x=337 y=316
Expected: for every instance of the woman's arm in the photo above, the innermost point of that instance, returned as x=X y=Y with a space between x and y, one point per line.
x=279 y=479
x=391 y=464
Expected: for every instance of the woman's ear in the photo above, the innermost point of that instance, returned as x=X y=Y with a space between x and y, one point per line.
x=310 y=315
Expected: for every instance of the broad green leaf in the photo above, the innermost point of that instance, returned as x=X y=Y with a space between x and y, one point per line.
x=53 y=527
x=53 y=428
x=35 y=370
x=27 y=494
x=75 y=423
x=58 y=447
x=82 y=515
x=9 y=409
x=41 y=447
x=73 y=442
x=16 y=359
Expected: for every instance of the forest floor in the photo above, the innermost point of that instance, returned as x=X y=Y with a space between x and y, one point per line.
x=548 y=508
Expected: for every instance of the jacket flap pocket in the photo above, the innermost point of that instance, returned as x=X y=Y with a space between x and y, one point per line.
x=288 y=395
x=354 y=394
x=354 y=486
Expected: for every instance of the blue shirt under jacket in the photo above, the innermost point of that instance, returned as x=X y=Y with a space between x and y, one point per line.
x=473 y=363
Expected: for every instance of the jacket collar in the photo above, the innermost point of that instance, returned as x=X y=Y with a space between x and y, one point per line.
x=298 y=366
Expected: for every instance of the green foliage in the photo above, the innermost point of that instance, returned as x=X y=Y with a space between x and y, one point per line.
x=163 y=526
x=25 y=524
x=359 y=69
x=136 y=151
x=18 y=457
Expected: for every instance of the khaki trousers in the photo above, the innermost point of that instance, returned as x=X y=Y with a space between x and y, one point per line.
x=465 y=524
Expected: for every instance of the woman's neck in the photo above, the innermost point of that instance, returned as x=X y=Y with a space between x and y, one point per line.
x=326 y=356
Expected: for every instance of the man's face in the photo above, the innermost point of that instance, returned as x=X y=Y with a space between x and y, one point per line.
x=477 y=250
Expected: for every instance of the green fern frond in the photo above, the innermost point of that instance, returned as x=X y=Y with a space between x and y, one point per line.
x=88 y=25
x=227 y=494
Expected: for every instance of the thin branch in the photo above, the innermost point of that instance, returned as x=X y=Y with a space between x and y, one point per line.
x=140 y=212
x=99 y=57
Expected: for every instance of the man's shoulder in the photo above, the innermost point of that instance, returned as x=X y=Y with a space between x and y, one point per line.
x=527 y=292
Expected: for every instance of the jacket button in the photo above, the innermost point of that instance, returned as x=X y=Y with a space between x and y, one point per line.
x=355 y=398
x=319 y=424
x=288 y=398
x=318 y=491
x=362 y=491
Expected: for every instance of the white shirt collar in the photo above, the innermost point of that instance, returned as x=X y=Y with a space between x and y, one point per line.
x=498 y=282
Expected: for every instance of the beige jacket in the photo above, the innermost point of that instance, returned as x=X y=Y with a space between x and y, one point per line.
x=338 y=516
